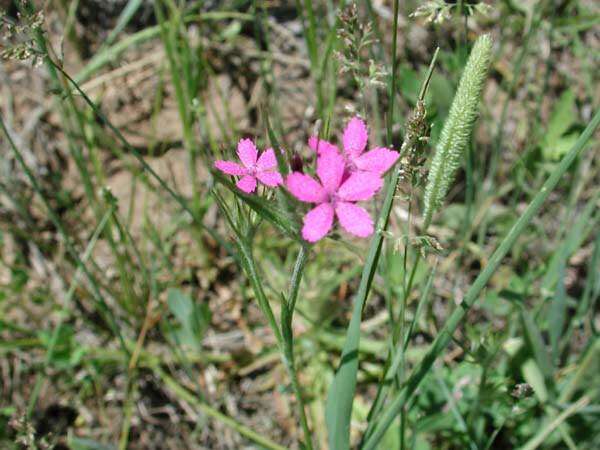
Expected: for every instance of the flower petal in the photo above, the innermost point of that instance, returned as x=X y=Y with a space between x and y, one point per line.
x=354 y=219
x=230 y=168
x=360 y=186
x=330 y=169
x=379 y=160
x=267 y=160
x=247 y=152
x=305 y=188
x=270 y=178
x=247 y=184
x=317 y=222
x=355 y=137
x=320 y=146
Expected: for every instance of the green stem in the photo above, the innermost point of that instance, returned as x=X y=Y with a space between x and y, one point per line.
x=445 y=336
x=392 y=93
x=247 y=261
x=288 y=341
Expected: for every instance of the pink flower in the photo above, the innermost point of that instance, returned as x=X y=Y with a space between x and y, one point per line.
x=377 y=161
x=263 y=168
x=334 y=197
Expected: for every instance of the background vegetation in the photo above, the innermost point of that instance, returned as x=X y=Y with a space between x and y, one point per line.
x=125 y=318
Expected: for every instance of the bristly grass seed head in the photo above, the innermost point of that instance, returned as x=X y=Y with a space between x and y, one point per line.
x=458 y=127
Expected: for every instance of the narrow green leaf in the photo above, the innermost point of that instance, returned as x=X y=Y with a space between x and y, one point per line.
x=76 y=443
x=557 y=315
x=126 y=15
x=534 y=338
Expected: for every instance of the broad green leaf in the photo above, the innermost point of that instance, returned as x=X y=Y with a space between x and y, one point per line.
x=562 y=117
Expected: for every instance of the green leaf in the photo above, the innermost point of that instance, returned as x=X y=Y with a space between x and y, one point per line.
x=76 y=443
x=231 y=31
x=65 y=352
x=537 y=347
x=193 y=318
x=554 y=150
x=562 y=117
x=534 y=377
x=557 y=315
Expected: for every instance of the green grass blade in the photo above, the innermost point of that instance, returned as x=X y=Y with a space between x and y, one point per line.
x=541 y=436
x=538 y=348
x=126 y=15
x=445 y=335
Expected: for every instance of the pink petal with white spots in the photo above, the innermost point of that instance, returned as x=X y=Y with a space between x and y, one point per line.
x=270 y=178
x=330 y=169
x=305 y=188
x=360 y=186
x=247 y=152
x=317 y=222
x=267 y=160
x=379 y=160
x=355 y=137
x=320 y=146
x=354 y=219
x=247 y=184
x=230 y=168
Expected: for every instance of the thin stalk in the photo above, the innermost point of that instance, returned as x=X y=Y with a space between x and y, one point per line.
x=248 y=264
x=392 y=93
x=288 y=340
x=310 y=32
x=472 y=295
x=169 y=33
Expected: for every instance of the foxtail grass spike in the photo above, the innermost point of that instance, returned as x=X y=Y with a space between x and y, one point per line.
x=457 y=128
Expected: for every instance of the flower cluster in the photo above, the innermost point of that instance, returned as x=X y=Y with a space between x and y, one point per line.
x=344 y=178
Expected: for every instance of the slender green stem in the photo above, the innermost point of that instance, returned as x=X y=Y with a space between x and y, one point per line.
x=445 y=335
x=247 y=260
x=287 y=313
x=392 y=93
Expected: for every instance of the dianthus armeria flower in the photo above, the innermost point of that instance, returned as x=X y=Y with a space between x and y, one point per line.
x=262 y=168
x=377 y=161
x=334 y=197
